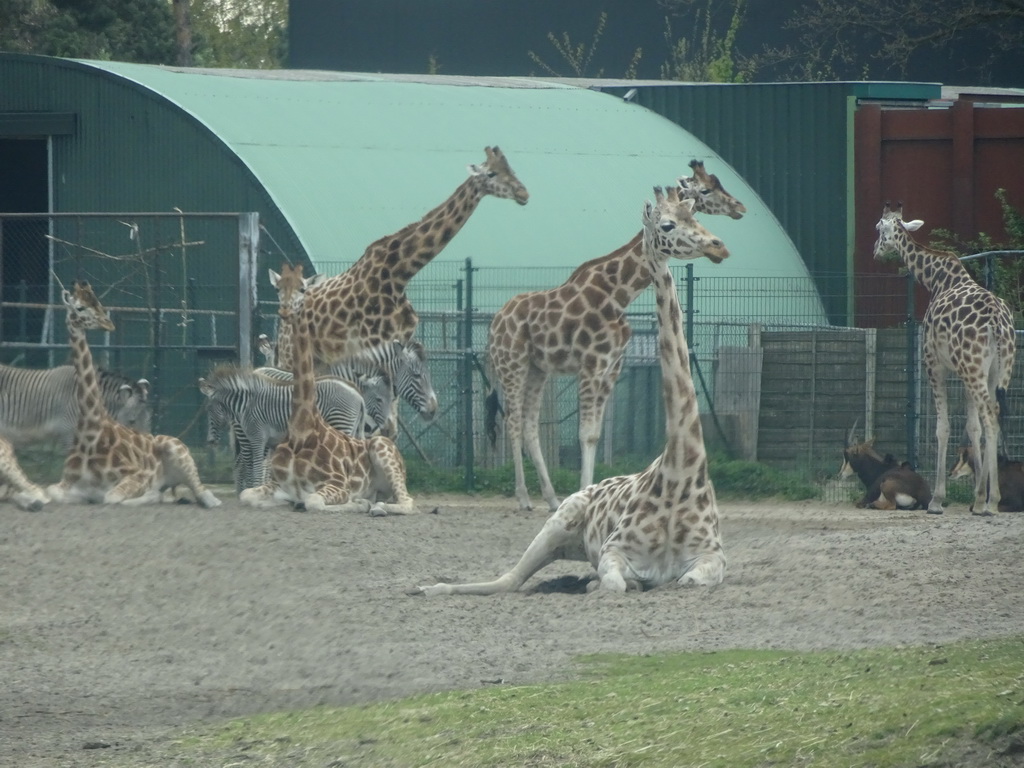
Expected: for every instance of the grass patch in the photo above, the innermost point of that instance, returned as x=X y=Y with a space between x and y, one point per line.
x=732 y=479
x=961 y=704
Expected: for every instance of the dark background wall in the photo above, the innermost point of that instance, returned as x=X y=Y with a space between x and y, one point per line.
x=494 y=37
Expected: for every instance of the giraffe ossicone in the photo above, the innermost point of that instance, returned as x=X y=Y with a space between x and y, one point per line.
x=968 y=330
x=659 y=526
x=579 y=328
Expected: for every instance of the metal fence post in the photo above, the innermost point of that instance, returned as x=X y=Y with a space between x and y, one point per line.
x=689 y=309
x=248 y=252
x=912 y=374
x=467 y=378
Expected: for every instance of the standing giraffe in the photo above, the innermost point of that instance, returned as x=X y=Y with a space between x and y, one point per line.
x=579 y=328
x=661 y=525
x=366 y=305
x=967 y=330
x=316 y=465
x=110 y=463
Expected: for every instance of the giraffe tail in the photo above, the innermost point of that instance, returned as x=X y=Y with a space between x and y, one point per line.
x=492 y=409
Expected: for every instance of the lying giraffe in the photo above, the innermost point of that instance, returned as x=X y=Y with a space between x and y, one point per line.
x=659 y=526
x=315 y=465
x=578 y=328
x=110 y=463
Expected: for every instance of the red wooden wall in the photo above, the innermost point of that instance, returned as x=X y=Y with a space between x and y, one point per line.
x=945 y=165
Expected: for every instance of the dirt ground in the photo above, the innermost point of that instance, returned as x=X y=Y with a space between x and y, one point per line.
x=119 y=626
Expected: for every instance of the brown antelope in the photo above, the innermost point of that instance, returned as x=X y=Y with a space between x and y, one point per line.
x=1011 y=477
x=888 y=484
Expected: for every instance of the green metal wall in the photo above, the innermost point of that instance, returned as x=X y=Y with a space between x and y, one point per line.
x=162 y=157
x=793 y=143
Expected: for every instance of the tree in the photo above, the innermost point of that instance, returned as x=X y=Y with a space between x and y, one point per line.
x=214 y=33
x=707 y=55
x=249 y=34
x=910 y=39
x=125 y=30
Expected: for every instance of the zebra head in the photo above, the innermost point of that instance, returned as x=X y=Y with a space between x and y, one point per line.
x=379 y=399
x=132 y=406
x=217 y=419
x=412 y=380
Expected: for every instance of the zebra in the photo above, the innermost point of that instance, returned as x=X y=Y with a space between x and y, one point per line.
x=405 y=364
x=256 y=408
x=378 y=396
x=39 y=404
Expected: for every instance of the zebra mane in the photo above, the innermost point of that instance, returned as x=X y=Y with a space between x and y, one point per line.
x=236 y=378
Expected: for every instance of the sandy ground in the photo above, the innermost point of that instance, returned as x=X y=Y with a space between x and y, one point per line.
x=119 y=626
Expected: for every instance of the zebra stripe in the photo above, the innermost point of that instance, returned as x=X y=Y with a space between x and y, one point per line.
x=38 y=405
x=256 y=408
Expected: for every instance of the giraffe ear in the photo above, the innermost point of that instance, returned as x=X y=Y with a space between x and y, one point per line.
x=65 y=294
x=913 y=225
x=274 y=277
x=689 y=203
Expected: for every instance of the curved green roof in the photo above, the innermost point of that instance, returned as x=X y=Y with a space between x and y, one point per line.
x=348 y=158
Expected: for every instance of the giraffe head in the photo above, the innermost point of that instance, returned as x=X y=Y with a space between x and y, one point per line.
x=671 y=231
x=497 y=177
x=889 y=226
x=84 y=309
x=709 y=194
x=291 y=289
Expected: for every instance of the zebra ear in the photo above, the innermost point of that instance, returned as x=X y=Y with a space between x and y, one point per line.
x=205 y=388
x=124 y=393
x=142 y=385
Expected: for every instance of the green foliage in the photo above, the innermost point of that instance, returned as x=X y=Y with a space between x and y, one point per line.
x=934 y=705
x=1008 y=272
x=122 y=30
x=578 y=56
x=706 y=56
x=247 y=34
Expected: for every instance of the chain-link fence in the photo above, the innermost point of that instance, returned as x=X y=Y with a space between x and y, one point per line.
x=776 y=383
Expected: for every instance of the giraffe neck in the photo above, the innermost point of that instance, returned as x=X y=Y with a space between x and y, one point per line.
x=304 y=415
x=935 y=270
x=684 y=439
x=91 y=411
x=622 y=275
x=397 y=258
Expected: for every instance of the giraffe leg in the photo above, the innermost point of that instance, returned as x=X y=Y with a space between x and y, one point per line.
x=938 y=382
x=134 y=489
x=594 y=393
x=334 y=498
x=24 y=493
x=986 y=493
x=180 y=469
x=563 y=527
x=533 y=396
x=262 y=496
x=389 y=479
x=513 y=391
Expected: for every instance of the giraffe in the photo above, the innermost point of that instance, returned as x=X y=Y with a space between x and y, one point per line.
x=366 y=305
x=579 y=328
x=315 y=465
x=110 y=463
x=967 y=330
x=659 y=526
x=22 y=491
